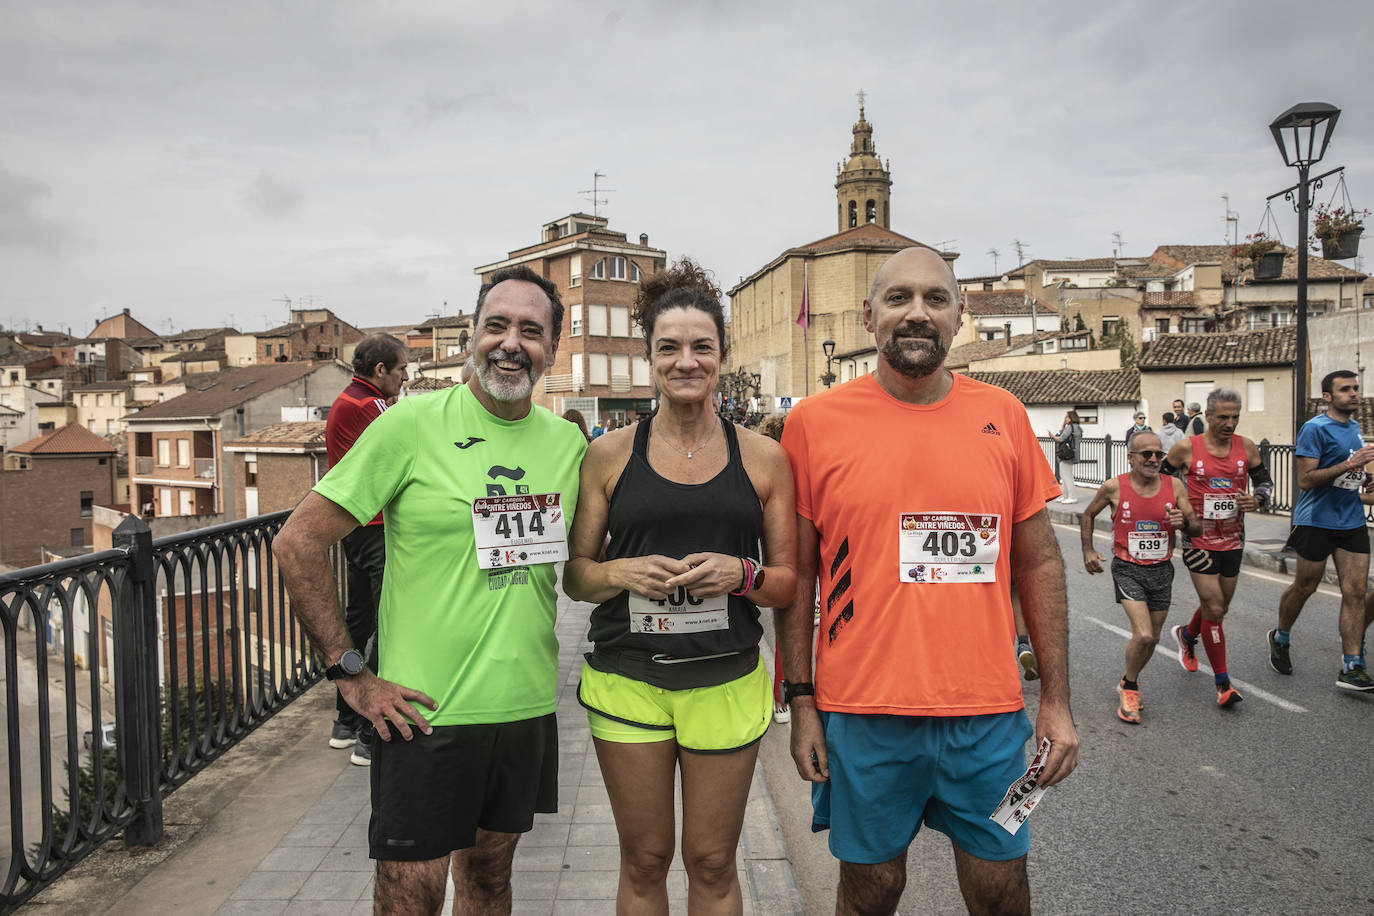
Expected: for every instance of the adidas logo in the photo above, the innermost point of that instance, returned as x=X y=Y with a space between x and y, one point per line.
x=991 y=430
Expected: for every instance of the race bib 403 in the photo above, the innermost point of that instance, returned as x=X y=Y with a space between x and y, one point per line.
x=943 y=547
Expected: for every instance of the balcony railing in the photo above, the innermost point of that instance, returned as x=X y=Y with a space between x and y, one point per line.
x=201 y=647
x=620 y=383
x=205 y=468
x=568 y=382
x=143 y=466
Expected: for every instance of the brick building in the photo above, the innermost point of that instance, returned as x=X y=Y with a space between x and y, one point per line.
x=49 y=487
x=176 y=444
x=311 y=334
x=277 y=465
x=601 y=368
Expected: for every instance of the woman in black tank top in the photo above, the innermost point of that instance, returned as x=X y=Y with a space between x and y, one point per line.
x=702 y=530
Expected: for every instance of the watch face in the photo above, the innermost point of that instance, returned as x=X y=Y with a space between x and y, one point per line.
x=351 y=662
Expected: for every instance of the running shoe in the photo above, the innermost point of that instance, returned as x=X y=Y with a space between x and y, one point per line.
x=1187 y=656
x=781 y=713
x=1128 y=710
x=1355 y=679
x=1278 y=655
x=1029 y=668
x=1228 y=696
x=362 y=754
x=341 y=736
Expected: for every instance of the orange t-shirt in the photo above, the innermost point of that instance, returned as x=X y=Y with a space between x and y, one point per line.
x=914 y=506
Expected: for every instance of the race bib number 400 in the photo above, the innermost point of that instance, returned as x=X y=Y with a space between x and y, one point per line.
x=943 y=547
x=519 y=530
x=678 y=613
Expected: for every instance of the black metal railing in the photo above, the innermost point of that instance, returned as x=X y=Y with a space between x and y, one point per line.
x=188 y=640
x=1102 y=458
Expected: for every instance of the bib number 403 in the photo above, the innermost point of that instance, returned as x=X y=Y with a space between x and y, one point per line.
x=950 y=544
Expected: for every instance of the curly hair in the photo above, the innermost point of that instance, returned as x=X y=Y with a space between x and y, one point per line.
x=685 y=285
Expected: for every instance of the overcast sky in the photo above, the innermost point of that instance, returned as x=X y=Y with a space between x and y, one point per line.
x=196 y=162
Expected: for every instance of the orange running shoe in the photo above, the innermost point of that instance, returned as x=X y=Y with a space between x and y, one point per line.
x=1128 y=710
x=1228 y=696
x=1187 y=655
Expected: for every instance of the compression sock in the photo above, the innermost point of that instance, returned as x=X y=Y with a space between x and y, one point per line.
x=1349 y=661
x=1022 y=642
x=1214 y=642
x=1281 y=637
x=1128 y=684
x=1194 y=626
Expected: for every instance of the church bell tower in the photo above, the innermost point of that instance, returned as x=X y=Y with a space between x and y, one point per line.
x=863 y=187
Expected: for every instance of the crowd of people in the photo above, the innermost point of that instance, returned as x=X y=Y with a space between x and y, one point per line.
x=884 y=523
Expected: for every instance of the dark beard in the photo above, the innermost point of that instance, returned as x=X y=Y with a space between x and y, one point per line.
x=919 y=366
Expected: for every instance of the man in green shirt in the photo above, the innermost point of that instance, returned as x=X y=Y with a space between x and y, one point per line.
x=477 y=487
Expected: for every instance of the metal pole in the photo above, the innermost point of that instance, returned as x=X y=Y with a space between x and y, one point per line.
x=1300 y=362
x=136 y=688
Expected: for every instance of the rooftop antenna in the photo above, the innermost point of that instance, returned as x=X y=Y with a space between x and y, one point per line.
x=944 y=245
x=1118 y=246
x=995 y=254
x=1232 y=222
x=596 y=191
x=287 y=299
x=1020 y=247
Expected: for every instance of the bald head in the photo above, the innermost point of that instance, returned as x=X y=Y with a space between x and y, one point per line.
x=917 y=254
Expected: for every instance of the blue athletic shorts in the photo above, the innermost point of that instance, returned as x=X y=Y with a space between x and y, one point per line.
x=890 y=774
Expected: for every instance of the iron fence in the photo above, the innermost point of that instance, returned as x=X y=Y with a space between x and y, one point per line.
x=1102 y=458
x=188 y=640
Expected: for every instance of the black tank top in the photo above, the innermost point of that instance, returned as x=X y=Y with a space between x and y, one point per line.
x=652 y=515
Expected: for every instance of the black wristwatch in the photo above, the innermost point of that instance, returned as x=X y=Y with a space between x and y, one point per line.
x=757 y=581
x=350 y=664
x=803 y=689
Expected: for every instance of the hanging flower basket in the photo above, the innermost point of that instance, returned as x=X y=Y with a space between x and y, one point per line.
x=1338 y=229
x=1269 y=266
x=1342 y=246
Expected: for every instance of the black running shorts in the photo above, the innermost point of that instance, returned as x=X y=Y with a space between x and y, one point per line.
x=1213 y=562
x=1316 y=544
x=1153 y=584
x=432 y=793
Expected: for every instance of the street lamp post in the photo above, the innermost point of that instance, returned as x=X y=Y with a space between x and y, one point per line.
x=828 y=347
x=1306 y=128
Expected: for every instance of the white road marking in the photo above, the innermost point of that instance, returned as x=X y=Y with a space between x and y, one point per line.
x=1247 y=689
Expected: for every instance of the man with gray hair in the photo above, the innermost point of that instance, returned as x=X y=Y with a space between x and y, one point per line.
x=1215 y=466
x=379 y=371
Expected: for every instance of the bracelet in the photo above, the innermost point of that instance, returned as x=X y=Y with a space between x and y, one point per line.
x=747 y=568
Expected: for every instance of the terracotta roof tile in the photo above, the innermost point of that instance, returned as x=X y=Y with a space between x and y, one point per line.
x=430 y=383
x=308 y=434
x=1067 y=386
x=959 y=357
x=1364 y=415
x=1004 y=302
x=228 y=389
x=69 y=440
x=1267 y=347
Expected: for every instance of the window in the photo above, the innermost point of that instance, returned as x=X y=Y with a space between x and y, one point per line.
x=183 y=453
x=1073 y=343
x=85 y=400
x=1254 y=395
x=1161 y=325
x=871 y=211
x=635 y=274
x=596 y=320
x=78 y=537
x=90 y=424
x=188 y=502
x=87 y=500
x=853 y=214
x=1110 y=326
x=281 y=349
x=1195 y=325
x=250 y=472
x=579 y=379
x=575 y=321
x=639 y=372
x=164 y=453
x=620 y=369
x=575 y=270
x=164 y=498
x=597 y=369
x=109 y=427
x=598 y=271
x=1087 y=414
x=100 y=400
x=267 y=350
x=617 y=268
x=620 y=321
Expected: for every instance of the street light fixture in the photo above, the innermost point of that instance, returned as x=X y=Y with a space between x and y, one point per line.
x=828 y=348
x=1302 y=134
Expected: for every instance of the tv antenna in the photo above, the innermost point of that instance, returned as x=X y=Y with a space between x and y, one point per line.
x=596 y=191
x=1231 y=236
x=994 y=254
x=1021 y=248
x=1118 y=246
x=287 y=299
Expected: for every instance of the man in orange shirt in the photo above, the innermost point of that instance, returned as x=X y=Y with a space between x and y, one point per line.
x=919 y=493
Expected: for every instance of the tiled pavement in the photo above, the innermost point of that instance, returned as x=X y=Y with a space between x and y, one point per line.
x=568 y=864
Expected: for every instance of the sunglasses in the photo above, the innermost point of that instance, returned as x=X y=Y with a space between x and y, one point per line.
x=1150 y=454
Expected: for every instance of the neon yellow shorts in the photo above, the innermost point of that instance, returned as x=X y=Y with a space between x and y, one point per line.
x=717 y=719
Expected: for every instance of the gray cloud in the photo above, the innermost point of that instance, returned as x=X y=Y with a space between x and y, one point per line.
x=272 y=196
x=21 y=226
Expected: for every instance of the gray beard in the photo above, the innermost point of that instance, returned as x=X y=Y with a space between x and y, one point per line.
x=499 y=388
x=914 y=367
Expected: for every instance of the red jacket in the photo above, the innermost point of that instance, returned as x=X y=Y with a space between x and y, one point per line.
x=354 y=409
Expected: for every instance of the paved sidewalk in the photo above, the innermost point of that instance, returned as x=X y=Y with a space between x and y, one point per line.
x=568 y=864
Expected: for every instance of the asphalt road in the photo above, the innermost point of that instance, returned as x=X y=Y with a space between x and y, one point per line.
x=1267 y=807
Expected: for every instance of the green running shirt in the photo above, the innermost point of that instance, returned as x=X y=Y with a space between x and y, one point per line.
x=480 y=642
